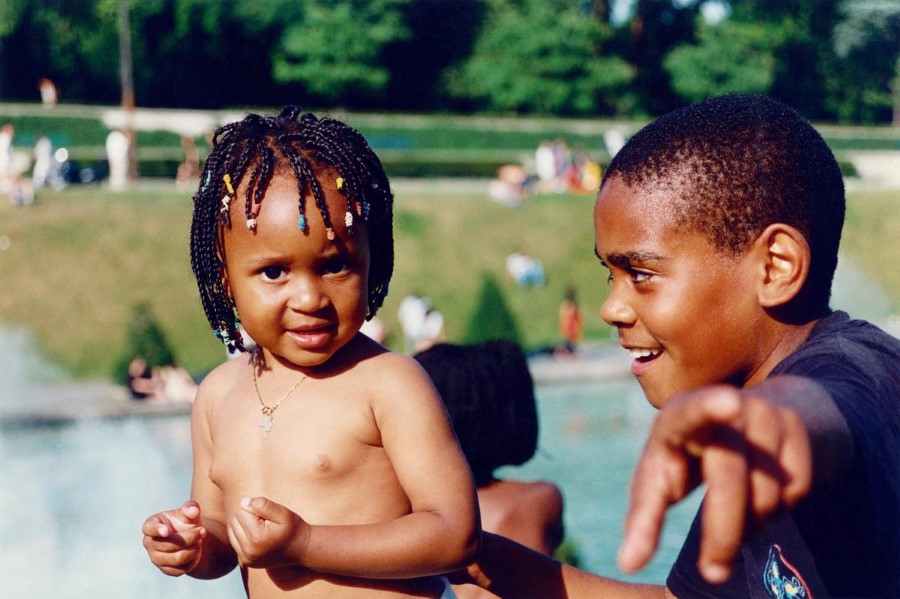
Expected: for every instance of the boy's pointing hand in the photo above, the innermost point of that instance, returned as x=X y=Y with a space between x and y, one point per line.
x=265 y=534
x=754 y=457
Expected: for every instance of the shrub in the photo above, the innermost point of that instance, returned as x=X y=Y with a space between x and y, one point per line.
x=144 y=338
x=492 y=318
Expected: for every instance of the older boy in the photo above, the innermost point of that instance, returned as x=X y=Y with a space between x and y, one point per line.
x=720 y=224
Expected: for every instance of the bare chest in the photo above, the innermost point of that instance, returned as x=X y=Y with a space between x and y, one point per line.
x=315 y=454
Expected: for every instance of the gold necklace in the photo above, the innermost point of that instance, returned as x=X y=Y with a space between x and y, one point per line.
x=268 y=412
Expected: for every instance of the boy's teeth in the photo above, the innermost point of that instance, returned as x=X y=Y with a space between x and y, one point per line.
x=642 y=353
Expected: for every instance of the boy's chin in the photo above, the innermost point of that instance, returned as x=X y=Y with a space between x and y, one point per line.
x=656 y=397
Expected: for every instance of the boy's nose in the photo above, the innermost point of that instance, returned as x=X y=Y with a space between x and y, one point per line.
x=616 y=312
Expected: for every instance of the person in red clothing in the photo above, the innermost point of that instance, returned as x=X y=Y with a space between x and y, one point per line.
x=570 y=325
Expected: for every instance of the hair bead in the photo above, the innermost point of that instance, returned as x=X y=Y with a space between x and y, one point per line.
x=246 y=155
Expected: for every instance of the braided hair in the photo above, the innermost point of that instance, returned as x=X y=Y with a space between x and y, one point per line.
x=251 y=151
x=489 y=394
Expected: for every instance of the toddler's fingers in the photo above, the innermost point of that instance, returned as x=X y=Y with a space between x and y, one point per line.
x=191 y=510
x=263 y=508
x=175 y=542
x=237 y=537
x=154 y=526
x=177 y=563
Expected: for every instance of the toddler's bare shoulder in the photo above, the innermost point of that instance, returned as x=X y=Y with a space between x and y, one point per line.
x=222 y=380
x=393 y=366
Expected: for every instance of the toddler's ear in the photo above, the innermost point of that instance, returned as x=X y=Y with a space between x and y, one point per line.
x=786 y=256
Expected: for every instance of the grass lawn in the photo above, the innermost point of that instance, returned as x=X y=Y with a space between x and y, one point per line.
x=80 y=259
x=77 y=261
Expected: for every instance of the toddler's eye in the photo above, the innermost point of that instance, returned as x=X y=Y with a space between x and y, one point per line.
x=338 y=265
x=272 y=273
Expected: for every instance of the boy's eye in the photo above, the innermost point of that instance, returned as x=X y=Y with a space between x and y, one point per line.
x=272 y=273
x=640 y=277
x=637 y=277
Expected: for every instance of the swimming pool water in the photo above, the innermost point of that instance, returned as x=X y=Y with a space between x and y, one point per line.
x=74 y=496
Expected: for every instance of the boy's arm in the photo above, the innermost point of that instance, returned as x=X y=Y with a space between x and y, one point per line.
x=758 y=450
x=441 y=533
x=509 y=569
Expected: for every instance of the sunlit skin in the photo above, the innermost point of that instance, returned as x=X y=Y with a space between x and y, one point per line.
x=300 y=296
x=360 y=488
x=705 y=330
x=692 y=308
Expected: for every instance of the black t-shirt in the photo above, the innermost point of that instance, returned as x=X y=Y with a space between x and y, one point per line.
x=843 y=540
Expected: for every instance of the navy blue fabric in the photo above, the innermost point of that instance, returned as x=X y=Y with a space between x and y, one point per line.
x=843 y=540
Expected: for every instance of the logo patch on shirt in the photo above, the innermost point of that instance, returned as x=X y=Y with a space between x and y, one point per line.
x=781 y=579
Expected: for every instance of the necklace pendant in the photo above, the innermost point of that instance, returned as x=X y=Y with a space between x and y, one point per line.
x=267 y=424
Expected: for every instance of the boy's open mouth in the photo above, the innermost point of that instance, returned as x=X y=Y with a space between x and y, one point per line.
x=643 y=354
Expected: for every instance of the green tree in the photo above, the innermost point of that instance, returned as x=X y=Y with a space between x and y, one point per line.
x=492 y=318
x=867 y=42
x=336 y=51
x=144 y=338
x=536 y=56
x=803 y=54
x=729 y=57
x=654 y=28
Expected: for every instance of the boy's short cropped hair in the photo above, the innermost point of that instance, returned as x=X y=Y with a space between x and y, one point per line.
x=737 y=164
x=489 y=394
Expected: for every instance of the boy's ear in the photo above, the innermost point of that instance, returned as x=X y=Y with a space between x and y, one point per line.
x=785 y=262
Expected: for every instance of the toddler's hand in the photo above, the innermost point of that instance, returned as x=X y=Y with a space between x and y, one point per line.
x=754 y=456
x=265 y=534
x=173 y=539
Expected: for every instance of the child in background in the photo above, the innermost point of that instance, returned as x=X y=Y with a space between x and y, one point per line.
x=720 y=225
x=570 y=326
x=324 y=465
x=489 y=394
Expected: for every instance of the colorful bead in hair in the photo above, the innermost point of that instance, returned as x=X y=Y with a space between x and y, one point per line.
x=206 y=181
x=248 y=154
